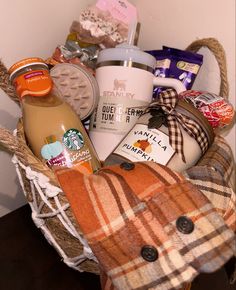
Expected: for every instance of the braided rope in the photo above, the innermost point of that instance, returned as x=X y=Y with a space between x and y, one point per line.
x=12 y=144
x=5 y=84
x=218 y=51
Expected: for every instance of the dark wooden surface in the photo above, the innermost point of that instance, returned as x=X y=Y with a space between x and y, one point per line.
x=28 y=262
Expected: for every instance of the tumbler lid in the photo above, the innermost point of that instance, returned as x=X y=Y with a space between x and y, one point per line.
x=126 y=55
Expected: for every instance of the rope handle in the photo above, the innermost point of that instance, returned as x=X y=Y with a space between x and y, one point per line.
x=6 y=85
x=218 y=51
x=12 y=143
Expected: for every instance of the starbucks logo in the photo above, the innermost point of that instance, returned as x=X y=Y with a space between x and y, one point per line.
x=73 y=139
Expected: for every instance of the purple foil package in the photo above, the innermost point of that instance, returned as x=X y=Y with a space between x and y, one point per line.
x=162 y=69
x=184 y=65
x=175 y=63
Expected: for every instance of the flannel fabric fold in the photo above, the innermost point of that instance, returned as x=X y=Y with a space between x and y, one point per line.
x=186 y=222
x=214 y=175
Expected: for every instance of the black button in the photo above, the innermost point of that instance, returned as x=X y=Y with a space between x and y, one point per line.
x=185 y=225
x=149 y=253
x=127 y=165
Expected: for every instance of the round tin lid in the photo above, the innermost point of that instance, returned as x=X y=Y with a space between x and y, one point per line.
x=77 y=87
x=25 y=63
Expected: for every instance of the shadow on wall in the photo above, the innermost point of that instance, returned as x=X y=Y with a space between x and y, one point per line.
x=11 y=202
x=11 y=195
x=7 y=120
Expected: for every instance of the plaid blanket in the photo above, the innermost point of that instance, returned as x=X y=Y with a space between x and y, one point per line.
x=152 y=228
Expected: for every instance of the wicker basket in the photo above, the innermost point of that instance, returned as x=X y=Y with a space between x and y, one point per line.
x=50 y=209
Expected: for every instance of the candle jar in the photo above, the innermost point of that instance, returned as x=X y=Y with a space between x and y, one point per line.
x=153 y=144
x=126 y=80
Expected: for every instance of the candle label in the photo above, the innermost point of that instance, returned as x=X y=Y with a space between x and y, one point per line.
x=143 y=144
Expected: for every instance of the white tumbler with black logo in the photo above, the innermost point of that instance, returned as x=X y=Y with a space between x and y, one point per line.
x=125 y=79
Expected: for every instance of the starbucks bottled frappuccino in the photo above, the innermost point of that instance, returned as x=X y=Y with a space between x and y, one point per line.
x=53 y=130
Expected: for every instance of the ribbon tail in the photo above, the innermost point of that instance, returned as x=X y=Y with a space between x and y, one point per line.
x=194 y=130
x=176 y=122
x=176 y=137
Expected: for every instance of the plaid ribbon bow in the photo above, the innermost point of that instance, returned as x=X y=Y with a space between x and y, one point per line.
x=168 y=100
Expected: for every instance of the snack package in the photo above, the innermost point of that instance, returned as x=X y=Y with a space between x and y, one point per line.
x=216 y=109
x=76 y=52
x=184 y=65
x=178 y=64
x=105 y=23
x=162 y=69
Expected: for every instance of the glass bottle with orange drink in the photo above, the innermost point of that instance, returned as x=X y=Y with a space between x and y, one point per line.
x=53 y=130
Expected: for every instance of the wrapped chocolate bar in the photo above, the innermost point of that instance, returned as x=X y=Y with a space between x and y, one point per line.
x=178 y=64
x=218 y=111
x=184 y=65
x=162 y=69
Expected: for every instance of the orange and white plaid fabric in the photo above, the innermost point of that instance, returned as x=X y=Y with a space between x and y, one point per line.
x=152 y=228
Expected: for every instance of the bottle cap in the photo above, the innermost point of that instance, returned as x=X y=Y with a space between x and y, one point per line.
x=25 y=63
x=31 y=77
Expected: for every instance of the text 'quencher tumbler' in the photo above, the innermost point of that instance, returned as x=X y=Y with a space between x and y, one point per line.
x=125 y=76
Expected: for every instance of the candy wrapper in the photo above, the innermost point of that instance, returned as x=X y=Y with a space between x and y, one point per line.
x=105 y=23
x=184 y=65
x=162 y=69
x=218 y=111
x=76 y=52
x=178 y=64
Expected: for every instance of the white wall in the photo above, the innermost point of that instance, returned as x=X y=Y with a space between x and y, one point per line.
x=34 y=28
x=178 y=23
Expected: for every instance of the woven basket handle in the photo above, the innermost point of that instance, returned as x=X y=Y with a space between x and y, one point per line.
x=12 y=144
x=6 y=85
x=7 y=140
x=218 y=51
